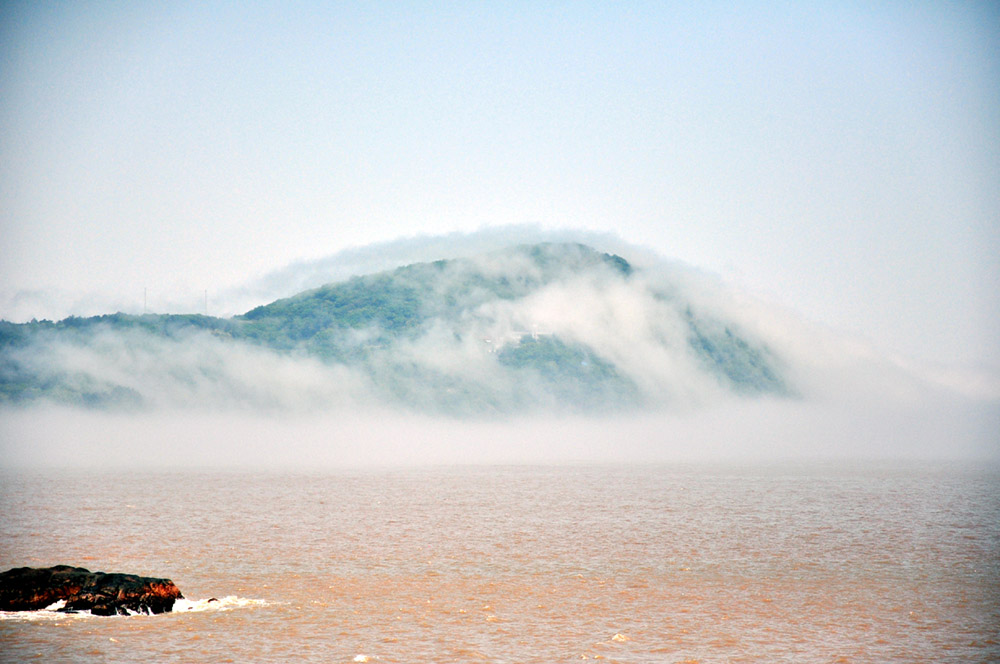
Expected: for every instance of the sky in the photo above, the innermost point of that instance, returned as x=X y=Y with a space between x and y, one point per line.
x=840 y=159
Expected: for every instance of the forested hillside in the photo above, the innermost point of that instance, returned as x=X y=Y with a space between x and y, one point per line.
x=558 y=326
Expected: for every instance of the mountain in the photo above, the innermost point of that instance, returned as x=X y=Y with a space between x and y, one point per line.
x=551 y=326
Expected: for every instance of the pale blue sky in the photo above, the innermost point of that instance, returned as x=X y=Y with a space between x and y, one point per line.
x=838 y=158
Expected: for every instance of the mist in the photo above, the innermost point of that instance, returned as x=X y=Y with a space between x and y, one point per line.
x=769 y=431
x=210 y=401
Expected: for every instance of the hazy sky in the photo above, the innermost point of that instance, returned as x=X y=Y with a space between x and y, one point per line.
x=838 y=158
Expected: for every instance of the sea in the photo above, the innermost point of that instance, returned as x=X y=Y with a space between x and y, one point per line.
x=783 y=562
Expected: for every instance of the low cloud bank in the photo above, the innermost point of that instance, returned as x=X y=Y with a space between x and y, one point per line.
x=757 y=431
x=207 y=400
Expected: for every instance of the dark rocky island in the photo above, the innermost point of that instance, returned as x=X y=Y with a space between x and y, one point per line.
x=104 y=594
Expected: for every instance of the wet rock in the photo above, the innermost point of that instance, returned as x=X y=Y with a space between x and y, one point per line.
x=30 y=589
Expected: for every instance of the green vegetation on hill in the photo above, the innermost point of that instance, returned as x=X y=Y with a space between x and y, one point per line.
x=572 y=373
x=748 y=369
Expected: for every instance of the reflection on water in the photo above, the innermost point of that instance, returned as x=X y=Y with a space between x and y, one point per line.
x=513 y=564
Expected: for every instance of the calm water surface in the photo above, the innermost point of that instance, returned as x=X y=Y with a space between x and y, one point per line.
x=821 y=563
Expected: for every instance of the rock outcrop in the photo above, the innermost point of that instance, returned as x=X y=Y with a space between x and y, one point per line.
x=31 y=589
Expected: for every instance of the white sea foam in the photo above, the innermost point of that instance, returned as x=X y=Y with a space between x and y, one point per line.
x=52 y=611
x=226 y=603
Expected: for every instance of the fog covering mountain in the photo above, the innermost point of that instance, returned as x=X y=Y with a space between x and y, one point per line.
x=547 y=326
x=551 y=351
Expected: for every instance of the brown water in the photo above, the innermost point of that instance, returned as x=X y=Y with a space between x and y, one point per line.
x=523 y=564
